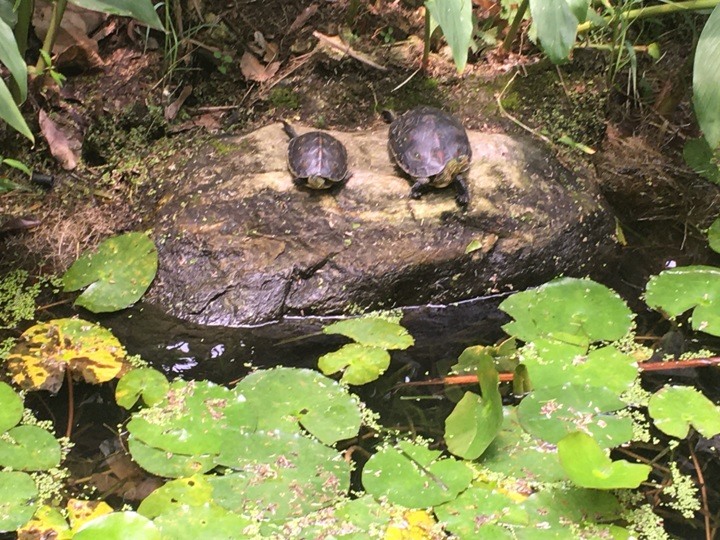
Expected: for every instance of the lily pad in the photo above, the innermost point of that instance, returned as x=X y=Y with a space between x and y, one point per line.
x=193 y=490
x=146 y=383
x=553 y=412
x=48 y=522
x=18 y=494
x=587 y=465
x=206 y=521
x=373 y=332
x=11 y=407
x=29 y=448
x=678 y=290
x=279 y=475
x=361 y=363
x=170 y=465
x=81 y=511
x=116 y=275
x=119 y=526
x=414 y=476
x=675 y=408
x=91 y=353
x=568 y=307
x=714 y=236
x=289 y=396
x=476 y=421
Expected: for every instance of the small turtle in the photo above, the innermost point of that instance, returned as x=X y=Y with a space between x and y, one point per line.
x=433 y=148
x=315 y=159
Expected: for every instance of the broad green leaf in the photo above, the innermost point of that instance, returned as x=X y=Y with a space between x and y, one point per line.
x=455 y=19
x=18 y=495
x=10 y=112
x=556 y=363
x=168 y=464
x=515 y=454
x=116 y=275
x=579 y=8
x=677 y=290
x=141 y=10
x=39 y=360
x=706 y=79
x=147 y=383
x=11 y=58
x=552 y=412
x=193 y=490
x=700 y=158
x=279 y=474
x=19 y=165
x=675 y=408
x=209 y=521
x=289 y=396
x=475 y=422
x=7 y=13
x=504 y=356
x=555 y=26
x=414 y=476
x=11 y=407
x=566 y=309
x=119 y=526
x=587 y=465
x=29 y=448
x=194 y=419
x=714 y=236
x=361 y=363
x=373 y=332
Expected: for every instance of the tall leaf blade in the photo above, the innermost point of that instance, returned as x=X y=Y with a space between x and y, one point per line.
x=455 y=19
x=555 y=26
x=11 y=114
x=706 y=80
x=12 y=59
x=141 y=10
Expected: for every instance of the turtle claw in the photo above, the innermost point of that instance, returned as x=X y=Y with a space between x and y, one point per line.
x=462 y=196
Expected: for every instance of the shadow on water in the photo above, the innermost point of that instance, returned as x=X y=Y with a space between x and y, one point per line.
x=223 y=354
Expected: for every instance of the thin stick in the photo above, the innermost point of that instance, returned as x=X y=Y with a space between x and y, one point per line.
x=512 y=31
x=71 y=404
x=346 y=49
x=703 y=493
x=499 y=97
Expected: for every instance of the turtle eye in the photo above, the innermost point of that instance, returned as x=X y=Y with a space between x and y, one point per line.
x=416 y=155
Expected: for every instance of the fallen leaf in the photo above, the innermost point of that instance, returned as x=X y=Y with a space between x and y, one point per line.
x=64 y=148
x=172 y=109
x=253 y=70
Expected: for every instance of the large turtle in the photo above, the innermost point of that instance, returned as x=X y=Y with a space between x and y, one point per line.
x=315 y=159
x=433 y=148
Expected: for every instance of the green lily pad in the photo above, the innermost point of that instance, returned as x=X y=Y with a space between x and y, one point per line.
x=476 y=421
x=11 y=407
x=362 y=364
x=193 y=490
x=167 y=464
x=193 y=420
x=46 y=350
x=289 y=396
x=207 y=521
x=146 y=383
x=677 y=290
x=414 y=476
x=116 y=275
x=587 y=465
x=714 y=236
x=675 y=408
x=29 y=448
x=119 y=526
x=279 y=475
x=552 y=412
x=568 y=307
x=556 y=363
x=504 y=356
x=515 y=454
x=373 y=332
x=18 y=494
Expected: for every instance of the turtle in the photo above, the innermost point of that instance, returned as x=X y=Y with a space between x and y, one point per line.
x=432 y=147
x=315 y=159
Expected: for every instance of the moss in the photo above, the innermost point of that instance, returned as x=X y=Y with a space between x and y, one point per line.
x=418 y=91
x=284 y=98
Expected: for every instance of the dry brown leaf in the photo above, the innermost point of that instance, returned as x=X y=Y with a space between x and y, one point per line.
x=253 y=70
x=63 y=146
x=172 y=109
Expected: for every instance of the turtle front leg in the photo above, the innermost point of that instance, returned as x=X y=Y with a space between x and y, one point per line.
x=418 y=187
x=462 y=194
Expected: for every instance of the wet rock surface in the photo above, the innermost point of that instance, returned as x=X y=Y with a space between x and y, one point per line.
x=240 y=244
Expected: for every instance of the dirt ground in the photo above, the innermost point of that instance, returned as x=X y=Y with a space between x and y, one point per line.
x=146 y=97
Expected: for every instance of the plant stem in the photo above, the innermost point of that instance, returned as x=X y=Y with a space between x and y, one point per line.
x=55 y=20
x=426 y=47
x=654 y=11
x=24 y=18
x=512 y=31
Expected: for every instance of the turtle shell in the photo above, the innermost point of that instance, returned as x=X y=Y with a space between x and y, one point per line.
x=317 y=155
x=424 y=140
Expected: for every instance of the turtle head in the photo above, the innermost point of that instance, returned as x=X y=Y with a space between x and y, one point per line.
x=317 y=182
x=455 y=166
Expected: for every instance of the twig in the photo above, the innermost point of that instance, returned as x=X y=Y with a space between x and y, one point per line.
x=71 y=404
x=499 y=97
x=399 y=86
x=703 y=493
x=346 y=49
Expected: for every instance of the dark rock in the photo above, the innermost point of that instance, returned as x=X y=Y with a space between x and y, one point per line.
x=240 y=244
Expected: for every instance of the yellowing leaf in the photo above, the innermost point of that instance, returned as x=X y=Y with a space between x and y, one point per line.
x=80 y=512
x=412 y=525
x=46 y=350
x=47 y=522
